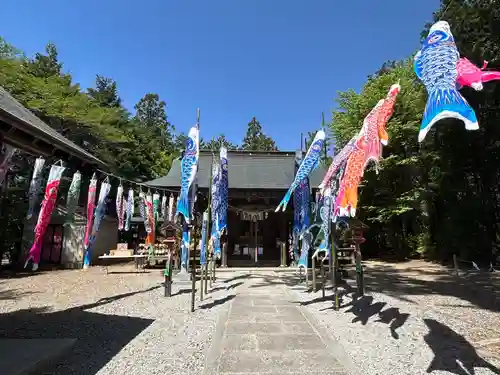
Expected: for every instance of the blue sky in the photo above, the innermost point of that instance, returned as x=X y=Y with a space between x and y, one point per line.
x=282 y=61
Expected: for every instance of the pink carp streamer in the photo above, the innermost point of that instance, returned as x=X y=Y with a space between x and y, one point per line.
x=472 y=76
x=338 y=161
x=120 y=207
x=368 y=147
x=150 y=218
x=90 y=210
x=99 y=213
x=48 y=204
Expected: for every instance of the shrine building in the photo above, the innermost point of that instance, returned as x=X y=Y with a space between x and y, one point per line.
x=257 y=182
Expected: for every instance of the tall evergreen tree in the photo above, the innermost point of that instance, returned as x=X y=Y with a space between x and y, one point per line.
x=47 y=65
x=219 y=141
x=256 y=140
x=105 y=92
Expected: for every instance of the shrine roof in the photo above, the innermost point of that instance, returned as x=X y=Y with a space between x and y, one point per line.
x=22 y=129
x=247 y=170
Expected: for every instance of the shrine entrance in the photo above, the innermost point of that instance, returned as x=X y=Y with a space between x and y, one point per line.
x=255 y=231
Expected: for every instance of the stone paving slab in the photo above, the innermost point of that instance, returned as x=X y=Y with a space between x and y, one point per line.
x=266 y=333
x=278 y=361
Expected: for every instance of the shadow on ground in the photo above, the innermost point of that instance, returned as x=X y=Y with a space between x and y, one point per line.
x=99 y=336
x=217 y=302
x=13 y=294
x=452 y=352
x=481 y=290
x=228 y=287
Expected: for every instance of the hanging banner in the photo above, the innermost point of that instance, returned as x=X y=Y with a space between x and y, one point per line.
x=185 y=247
x=204 y=230
x=8 y=152
x=100 y=211
x=35 y=186
x=163 y=208
x=156 y=208
x=171 y=207
x=143 y=211
x=130 y=209
x=215 y=205
x=73 y=198
x=47 y=207
x=90 y=210
x=305 y=220
x=189 y=168
x=150 y=239
x=297 y=202
x=120 y=207
x=308 y=164
x=223 y=191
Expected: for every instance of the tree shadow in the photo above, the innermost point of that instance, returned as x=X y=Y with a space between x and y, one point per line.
x=18 y=273
x=452 y=352
x=483 y=291
x=239 y=277
x=229 y=287
x=217 y=302
x=99 y=336
x=13 y=294
x=287 y=280
x=183 y=291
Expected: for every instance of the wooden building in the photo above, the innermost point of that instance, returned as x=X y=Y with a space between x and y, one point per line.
x=257 y=183
x=62 y=245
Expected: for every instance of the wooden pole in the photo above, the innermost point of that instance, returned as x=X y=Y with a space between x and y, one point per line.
x=333 y=270
x=193 y=231
x=204 y=268
x=359 y=272
x=455 y=264
x=168 y=276
x=206 y=278
x=313 y=267
x=323 y=278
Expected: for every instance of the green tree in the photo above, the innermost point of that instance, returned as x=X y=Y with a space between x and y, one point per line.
x=217 y=142
x=151 y=115
x=256 y=140
x=8 y=51
x=46 y=65
x=105 y=92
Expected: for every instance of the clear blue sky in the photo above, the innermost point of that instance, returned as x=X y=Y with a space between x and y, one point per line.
x=282 y=61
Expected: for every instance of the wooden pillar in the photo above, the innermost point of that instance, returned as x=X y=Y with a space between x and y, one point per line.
x=224 y=252
x=282 y=246
x=313 y=268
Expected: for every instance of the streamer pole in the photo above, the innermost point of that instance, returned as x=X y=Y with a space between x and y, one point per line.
x=193 y=228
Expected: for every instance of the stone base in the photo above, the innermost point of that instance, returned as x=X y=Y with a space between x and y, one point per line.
x=183 y=275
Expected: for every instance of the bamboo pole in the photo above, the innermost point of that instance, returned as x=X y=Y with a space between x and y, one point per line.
x=193 y=229
x=209 y=224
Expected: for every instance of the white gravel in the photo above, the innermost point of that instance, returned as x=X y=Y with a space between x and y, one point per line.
x=442 y=333
x=138 y=330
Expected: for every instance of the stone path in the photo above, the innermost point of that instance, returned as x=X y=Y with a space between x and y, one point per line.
x=264 y=332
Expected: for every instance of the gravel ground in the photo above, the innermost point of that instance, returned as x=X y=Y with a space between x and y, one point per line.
x=416 y=318
x=122 y=321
